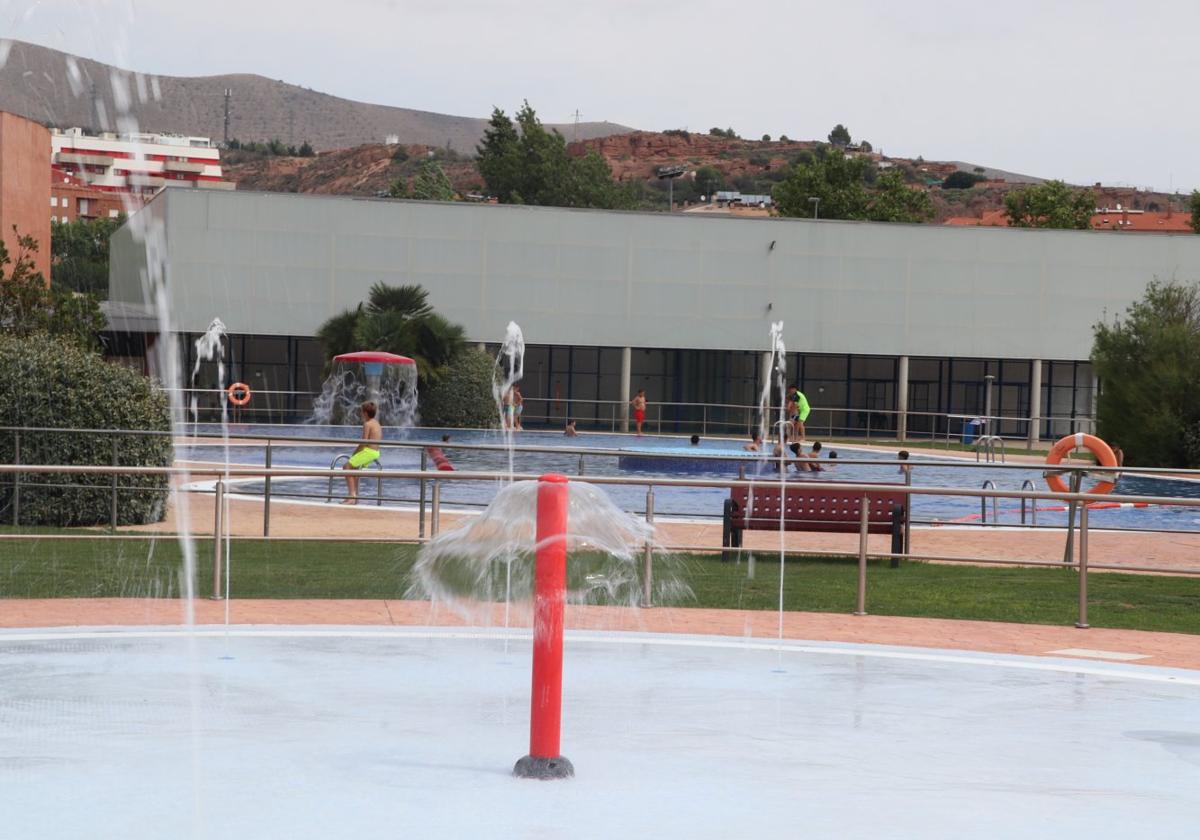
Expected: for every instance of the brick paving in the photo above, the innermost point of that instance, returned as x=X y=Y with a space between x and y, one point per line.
x=1162 y=649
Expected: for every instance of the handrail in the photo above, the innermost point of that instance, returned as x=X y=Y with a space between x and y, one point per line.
x=930 y=460
x=983 y=503
x=224 y=473
x=1028 y=485
x=657 y=480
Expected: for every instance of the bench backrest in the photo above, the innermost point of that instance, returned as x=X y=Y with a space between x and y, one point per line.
x=813 y=508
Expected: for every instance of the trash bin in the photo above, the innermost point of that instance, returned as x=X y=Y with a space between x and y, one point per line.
x=971 y=430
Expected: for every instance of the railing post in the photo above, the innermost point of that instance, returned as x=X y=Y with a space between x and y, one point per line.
x=267 y=493
x=421 y=497
x=861 y=606
x=16 y=505
x=580 y=463
x=704 y=420
x=648 y=558
x=218 y=530
x=908 y=514
x=1069 y=553
x=1082 y=623
x=435 y=514
x=116 y=462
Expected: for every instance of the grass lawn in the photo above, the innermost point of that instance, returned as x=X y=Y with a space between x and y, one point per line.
x=263 y=569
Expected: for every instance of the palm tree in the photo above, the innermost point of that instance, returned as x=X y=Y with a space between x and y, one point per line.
x=396 y=319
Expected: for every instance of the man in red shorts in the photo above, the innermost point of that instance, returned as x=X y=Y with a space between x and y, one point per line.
x=639 y=410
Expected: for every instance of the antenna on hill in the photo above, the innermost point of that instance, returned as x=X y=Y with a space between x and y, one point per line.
x=576 y=115
x=228 y=93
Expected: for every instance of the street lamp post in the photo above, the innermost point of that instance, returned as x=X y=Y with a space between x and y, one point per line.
x=815 y=200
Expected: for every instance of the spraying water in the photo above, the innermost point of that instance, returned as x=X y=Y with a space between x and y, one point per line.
x=392 y=387
x=776 y=378
x=460 y=567
x=210 y=347
x=507 y=372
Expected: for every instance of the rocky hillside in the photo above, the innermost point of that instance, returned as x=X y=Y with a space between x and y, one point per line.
x=60 y=89
x=711 y=163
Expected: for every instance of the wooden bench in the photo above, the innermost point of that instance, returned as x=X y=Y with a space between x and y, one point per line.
x=811 y=507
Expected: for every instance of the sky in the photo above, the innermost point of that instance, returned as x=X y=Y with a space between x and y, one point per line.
x=1083 y=91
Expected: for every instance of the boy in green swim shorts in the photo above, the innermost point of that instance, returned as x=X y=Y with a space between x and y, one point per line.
x=365 y=453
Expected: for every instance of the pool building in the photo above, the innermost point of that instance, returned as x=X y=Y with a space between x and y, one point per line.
x=890 y=327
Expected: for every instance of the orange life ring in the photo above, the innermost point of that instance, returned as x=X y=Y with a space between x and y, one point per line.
x=239 y=393
x=1102 y=451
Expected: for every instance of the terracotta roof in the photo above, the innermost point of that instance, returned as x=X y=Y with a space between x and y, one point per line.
x=1143 y=222
x=1137 y=221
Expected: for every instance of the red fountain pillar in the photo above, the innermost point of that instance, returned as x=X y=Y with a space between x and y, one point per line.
x=550 y=584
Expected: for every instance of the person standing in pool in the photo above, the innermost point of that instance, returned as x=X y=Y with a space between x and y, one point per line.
x=570 y=430
x=365 y=453
x=518 y=407
x=639 y=410
x=798 y=411
x=755 y=443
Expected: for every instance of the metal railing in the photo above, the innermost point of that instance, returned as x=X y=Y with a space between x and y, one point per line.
x=582 y=453
x=335 y=464
x=1077 y=560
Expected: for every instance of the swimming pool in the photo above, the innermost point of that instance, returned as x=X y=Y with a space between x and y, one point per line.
x=928 y=471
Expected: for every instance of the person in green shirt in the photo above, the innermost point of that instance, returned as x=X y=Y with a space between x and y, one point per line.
x=798 y=410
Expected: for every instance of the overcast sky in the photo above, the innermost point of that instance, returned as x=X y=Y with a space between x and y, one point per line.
x=1084 y=91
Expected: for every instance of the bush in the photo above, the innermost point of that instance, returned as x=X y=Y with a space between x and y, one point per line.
x=462 y=396
x=49 y=383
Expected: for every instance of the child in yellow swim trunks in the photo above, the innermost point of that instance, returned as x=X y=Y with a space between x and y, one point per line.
x=365 y=453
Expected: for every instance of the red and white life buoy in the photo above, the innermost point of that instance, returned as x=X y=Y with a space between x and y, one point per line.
x=1065 y=446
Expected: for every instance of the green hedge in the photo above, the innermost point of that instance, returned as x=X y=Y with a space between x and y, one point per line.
x=53 y=384
x=462 y=396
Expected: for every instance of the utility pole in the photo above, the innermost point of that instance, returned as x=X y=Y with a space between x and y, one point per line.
x=576 y=115
x=228 y=93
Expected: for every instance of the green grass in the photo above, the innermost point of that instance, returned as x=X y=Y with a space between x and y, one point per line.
x=305 y=569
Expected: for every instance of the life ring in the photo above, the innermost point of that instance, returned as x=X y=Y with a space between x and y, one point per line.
x=1102 y=451
x=239 y=393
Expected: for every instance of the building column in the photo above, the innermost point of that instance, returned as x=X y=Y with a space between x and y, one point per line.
x=1035 y=403
x=626 y=378
x=902 y=399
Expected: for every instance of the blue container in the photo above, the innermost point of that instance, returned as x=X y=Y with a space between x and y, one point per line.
x=971 y=431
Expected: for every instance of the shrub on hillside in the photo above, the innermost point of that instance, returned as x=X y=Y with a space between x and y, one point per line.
x=49 y=383
x=462 y=396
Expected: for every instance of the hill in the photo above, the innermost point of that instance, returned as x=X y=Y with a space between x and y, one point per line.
x=64 y=90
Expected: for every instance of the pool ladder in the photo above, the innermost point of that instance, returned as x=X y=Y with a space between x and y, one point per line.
x=989 y=445
x=991 y=485
x=337 y=461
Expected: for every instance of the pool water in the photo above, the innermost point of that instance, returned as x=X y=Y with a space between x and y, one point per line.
x=928 y=470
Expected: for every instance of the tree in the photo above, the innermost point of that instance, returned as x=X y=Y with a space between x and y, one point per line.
x=783 y=138
x=306 y=150
x=1196 y=210
x=1050 y=205
x=462 y=397
x=961 y=180
x=866 y=147
x=79 y=252
x=28 y=307
x=398 y=189
x=523 y=163
x=1149 y=366
x=840 y=136
x=893 y=200
x=832 y=177
x=766 y=138
x=395 y=319
x=431 y=183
